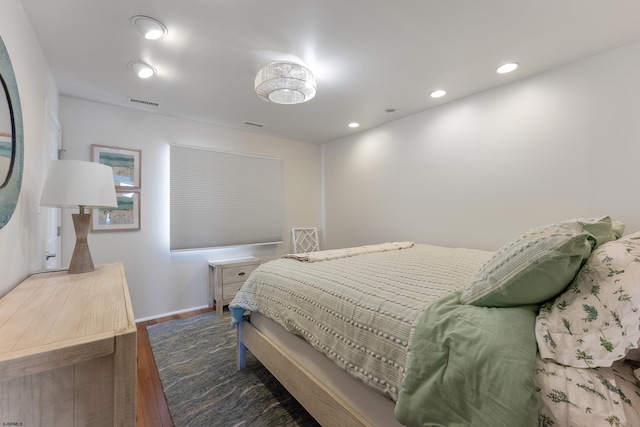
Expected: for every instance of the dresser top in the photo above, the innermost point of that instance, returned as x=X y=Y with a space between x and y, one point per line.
x=55 y=310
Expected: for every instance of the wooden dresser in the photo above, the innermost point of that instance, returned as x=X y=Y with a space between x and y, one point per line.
x=68 y=351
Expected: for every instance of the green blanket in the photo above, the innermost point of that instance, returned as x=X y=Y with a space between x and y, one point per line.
x=471 y=366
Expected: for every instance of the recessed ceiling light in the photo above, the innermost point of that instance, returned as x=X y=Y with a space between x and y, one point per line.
x=507 y=68
x=142 y=70
x=354 y=125
x=150 y=28
x=438 y=93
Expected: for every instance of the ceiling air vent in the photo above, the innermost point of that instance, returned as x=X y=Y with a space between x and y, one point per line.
x=258 y=125
x=143 y=102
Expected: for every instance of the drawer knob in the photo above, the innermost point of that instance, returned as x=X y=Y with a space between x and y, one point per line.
x=242 y=273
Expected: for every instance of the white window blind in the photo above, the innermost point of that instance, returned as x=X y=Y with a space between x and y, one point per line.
x=223 y=199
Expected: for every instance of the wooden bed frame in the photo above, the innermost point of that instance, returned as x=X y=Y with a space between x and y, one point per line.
x=326 y=406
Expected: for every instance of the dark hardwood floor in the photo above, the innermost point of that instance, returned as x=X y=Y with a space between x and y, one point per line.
x=152 y=408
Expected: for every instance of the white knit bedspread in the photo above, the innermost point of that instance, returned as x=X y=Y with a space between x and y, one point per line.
x=360 y=311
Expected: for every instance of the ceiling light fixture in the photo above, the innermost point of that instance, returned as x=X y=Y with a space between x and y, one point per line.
x=150 y=28
x=285 y=83
x=438 y=93
x=354 y=125
x=507 y=68
x=142 y=70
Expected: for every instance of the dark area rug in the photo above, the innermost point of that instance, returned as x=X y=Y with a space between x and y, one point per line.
x=196 y=361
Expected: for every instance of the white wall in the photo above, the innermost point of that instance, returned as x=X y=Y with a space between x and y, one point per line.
x=479 y=171
x=22 y=239
x=472 y=173
x=160 y=281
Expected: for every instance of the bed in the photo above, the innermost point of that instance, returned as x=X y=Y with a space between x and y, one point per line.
x=413 y=334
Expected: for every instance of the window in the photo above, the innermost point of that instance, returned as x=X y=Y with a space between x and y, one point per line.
x=224 y=199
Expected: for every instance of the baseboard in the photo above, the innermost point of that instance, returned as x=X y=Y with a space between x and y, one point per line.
x=144 y=319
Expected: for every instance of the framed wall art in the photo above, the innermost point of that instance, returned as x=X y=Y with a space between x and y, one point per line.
x=125 y=163
x=125 y=217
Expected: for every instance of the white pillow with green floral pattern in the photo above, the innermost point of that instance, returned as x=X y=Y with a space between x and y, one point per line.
x=597 y=319
x=571 y=396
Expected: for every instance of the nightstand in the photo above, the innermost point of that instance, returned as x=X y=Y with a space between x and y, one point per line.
x=226 y=277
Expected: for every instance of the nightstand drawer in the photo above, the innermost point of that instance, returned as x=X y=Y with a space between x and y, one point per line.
x=230 y=290
x=237 y=274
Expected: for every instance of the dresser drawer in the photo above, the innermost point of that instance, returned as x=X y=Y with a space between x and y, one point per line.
x=237 y=274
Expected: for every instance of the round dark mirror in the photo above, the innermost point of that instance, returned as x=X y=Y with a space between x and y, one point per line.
x=11 y=139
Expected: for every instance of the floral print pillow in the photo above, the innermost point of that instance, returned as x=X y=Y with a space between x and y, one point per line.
x=597 y=319
x=586 y=397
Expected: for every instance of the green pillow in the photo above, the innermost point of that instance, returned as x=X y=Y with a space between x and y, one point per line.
x=603 y=230
x=539 y=264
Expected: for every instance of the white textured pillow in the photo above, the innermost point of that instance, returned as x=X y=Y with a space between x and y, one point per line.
x=596 y=321
x=538 y=264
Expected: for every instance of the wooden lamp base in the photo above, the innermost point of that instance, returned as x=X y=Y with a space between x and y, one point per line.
x=81 y=261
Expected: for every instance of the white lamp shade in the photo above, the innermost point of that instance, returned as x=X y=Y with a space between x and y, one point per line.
x=73 y=183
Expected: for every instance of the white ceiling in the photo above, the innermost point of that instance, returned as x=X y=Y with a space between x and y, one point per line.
x=368 y=55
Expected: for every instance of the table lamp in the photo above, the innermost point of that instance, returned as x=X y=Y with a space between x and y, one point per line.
x=72 y=183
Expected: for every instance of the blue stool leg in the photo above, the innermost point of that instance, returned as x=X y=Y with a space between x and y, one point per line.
x=241 y=351
x=241 y=354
